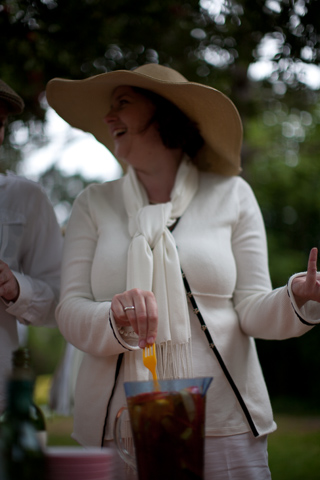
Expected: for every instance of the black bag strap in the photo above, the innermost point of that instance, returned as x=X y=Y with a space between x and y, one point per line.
x=218 y=356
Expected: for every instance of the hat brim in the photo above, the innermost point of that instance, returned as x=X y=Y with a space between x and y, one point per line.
x=11 y=99
x=85 y=103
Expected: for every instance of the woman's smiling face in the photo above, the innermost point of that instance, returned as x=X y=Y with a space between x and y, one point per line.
x=130 y=122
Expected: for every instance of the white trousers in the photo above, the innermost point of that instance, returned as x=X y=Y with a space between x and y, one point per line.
x=236 y=457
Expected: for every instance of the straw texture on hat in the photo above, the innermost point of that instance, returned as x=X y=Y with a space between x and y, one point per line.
x=13 y=101
x=85 y=103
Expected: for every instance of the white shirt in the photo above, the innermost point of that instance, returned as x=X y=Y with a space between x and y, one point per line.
x=31 y=245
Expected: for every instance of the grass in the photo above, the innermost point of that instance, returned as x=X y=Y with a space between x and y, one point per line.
x=294 y=449
x=59 y=428
x=59 y=431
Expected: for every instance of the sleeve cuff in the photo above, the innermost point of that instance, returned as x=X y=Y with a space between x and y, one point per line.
x=124 y=335
x=20 y=306
x=309 y=314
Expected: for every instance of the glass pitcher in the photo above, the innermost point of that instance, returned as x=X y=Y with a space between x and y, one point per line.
x=167 y=426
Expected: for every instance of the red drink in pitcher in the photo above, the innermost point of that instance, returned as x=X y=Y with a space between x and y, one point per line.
x=168 y=434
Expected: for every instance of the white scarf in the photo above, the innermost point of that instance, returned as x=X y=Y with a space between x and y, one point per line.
x=153 y=265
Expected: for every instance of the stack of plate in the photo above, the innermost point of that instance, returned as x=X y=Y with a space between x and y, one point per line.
x=77 y=463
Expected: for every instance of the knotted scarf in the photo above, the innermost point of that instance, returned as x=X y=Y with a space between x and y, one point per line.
x=153 y=265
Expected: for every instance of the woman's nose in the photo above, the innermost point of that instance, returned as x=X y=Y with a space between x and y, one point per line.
x=110 y=117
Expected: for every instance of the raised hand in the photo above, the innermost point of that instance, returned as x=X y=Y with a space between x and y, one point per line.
x=307 y=287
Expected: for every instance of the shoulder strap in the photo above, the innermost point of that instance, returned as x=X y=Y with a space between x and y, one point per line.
x=218 y=356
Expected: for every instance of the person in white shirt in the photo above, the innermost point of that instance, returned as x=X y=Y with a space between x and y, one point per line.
x=30 y=252
x=180 y=205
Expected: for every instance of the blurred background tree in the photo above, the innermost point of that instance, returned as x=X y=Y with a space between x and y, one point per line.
x=264 y=54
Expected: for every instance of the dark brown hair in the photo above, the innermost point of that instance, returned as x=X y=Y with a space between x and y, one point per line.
x=175 y=128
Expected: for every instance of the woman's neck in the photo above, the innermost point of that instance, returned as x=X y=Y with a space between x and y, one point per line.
x=158 y=180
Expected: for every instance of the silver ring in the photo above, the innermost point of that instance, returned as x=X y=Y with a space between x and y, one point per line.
x=128 y=308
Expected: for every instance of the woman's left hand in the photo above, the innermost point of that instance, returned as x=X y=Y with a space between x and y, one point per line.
x=307 y=287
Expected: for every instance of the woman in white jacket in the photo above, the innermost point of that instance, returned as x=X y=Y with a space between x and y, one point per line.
x=181 y=205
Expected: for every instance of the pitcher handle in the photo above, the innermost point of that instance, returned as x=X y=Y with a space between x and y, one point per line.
x=123 y=452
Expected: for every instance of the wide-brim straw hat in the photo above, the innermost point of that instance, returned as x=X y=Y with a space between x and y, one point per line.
x=85 y=103
x=12 y=100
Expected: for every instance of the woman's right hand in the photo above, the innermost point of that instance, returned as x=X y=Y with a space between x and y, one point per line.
x=9 y=286
x=143 y=318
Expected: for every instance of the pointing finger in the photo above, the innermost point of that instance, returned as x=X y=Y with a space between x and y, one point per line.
x=312 y=266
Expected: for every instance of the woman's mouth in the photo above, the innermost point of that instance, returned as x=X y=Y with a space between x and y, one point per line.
x=118 y=132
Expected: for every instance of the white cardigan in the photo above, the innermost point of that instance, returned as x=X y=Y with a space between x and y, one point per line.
x=223 y=252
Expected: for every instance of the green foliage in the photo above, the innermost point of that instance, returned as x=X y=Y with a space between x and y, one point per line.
x=62 y=189
x=207 y=40
x=47 y=347
x=289 y=368
x=285 y=177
